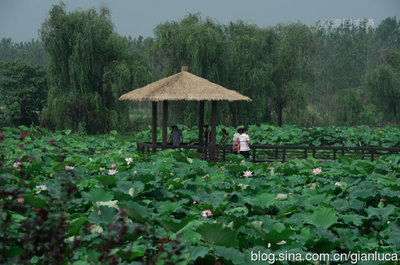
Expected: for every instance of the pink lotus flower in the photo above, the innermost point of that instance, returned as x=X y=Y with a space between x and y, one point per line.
x=312 y=188
x=21 y=200
x=380 y=131
x=247 y=173
x=69 y=168
x=194 y=202
x=310 y=129
x=102 y=169
x=338 y=184
x=17 y=164
x=206 y=213
x=317 y=171
x=243 y=161
x=297 y=165
x=112 y=172
x=113 y=166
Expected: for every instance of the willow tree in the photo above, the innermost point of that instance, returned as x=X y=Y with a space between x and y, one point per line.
x=236 y=56
x=384 y=84
x=192 y=42
x=31 y=51
x=86 y=63
x=292 y=69
x=23 y=90
x=247 y=68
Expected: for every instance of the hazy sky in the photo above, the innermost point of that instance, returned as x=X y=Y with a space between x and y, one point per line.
x=21 y=19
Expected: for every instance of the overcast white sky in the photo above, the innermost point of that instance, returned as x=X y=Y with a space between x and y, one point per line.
x=21 y=19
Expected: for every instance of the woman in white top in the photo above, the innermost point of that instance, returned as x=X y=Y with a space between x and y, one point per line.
x=244 y=144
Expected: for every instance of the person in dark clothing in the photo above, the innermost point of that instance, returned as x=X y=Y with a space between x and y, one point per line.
x=224 y=138
x=176 y=136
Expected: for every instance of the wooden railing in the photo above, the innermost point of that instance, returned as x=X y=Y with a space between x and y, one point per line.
x=267 y=153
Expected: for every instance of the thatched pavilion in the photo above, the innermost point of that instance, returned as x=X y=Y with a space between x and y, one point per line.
x=184 y=86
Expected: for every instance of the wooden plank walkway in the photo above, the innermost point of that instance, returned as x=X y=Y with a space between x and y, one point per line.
x=284 y=153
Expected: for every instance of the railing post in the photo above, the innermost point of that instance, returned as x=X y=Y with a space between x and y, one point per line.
x=254 y=155
x=334 y=154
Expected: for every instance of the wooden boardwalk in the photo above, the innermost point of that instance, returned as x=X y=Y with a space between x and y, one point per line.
x=266 y=153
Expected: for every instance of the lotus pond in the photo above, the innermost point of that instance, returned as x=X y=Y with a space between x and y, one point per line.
x=70 y=199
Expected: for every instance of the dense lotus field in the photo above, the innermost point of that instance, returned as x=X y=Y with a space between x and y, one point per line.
x=292 y=135
x=70 y=199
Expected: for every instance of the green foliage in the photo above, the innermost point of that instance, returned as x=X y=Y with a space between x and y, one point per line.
x=31 y=51
x=291 y=69
x=87 y=71
x=265 y=134
x=23 y=89
x=173 y=207
x=247 y=67
x=384 y=83
x=295 y=74
x=191 y=42
x=354 y=107
x=268 y=65
x=353 y=73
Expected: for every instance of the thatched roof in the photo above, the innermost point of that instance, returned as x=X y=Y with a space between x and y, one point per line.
x=183 y=86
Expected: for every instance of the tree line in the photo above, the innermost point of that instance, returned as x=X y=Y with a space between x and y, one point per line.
x=319 y=75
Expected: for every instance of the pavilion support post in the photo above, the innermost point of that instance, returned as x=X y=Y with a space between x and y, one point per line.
x=165 y=123
x=213 y=129
x=201 y=125
x=154 y=126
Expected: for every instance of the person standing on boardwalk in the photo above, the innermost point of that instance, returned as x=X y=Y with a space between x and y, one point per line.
x=176 y=136
x=244 y=144
x=224 y=137
x=207 y=138
x=236 y=141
